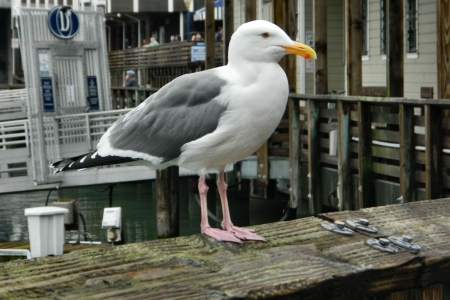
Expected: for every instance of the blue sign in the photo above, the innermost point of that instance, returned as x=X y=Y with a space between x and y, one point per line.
x=92 y=92
x=47 y=94
x=198 y=53
x=63 y=22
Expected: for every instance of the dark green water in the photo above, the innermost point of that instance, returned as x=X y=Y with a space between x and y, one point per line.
x=137 y=200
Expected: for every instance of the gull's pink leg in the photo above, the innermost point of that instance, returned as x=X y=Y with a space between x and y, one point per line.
x=241 y=233
x=217 y=234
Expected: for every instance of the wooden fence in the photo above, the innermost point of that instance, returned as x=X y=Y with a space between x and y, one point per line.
x=388 y=150
x=157 y=65
x=348 y=153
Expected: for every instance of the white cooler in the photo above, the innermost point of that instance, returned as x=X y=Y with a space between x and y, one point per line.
x=46 y=230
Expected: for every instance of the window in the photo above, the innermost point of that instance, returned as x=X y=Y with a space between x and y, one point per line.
x=383 y=26
x=411 y=26
x=365 y=32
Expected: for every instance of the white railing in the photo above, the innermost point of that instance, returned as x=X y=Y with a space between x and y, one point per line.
x=13 y=104
x=14 y=134
x=86 y=128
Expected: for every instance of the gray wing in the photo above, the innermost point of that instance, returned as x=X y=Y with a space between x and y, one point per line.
x=180 y=112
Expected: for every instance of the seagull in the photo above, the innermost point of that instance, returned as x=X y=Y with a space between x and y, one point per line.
x=206 y=120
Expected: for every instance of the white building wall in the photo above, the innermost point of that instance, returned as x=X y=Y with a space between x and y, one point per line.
x=419 y=71
x=374 y=69
x=422 y=71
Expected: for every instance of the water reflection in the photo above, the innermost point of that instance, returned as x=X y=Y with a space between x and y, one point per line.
x=137 y=200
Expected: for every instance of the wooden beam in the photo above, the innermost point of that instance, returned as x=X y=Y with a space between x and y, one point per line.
x=443 y=48
x=228 y=28
x=262 y=170
x=210 y=33
x=365 y=168
x=406 y=152
x=250 y=10
x=354 y=46
x=320 y=45
x=433 y=152
x=294 y=156
x=314 y=177
x=394 y=48
x=344 y=187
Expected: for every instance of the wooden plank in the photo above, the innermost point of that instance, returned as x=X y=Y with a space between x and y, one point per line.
x=344 y=188
x=386 y=118
x=385 y=169
x=385 y=152
x=433 y=152
x=294 y=159
x=365 y=171
x=443 y=48
x=385 y=135
x=433 y=292
x=354 y=46
x=210 y=34
x=406 y=153
x=320 y=45
x=394 y=49
x=314 y=178
x=302 y=261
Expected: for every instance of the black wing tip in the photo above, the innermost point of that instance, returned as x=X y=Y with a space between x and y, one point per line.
x=86 y=161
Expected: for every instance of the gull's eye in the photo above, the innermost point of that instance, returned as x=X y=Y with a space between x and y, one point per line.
x=265 y=35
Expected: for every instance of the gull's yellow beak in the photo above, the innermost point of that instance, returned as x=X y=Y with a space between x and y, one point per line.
x=301 y=50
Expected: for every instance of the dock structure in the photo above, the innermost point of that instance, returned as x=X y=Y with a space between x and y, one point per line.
x=301 y=261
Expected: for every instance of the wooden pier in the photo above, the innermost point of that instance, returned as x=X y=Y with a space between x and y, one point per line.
x=301 y=261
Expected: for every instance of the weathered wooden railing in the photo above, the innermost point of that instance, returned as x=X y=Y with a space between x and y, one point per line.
x=156 y=66
x=388 y=150
x=353 y=152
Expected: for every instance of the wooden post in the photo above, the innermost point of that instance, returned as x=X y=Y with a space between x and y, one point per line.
x=250 y=10
x=344 y=187
x=284 y=15
x=354 y=47
x=167 y=204
x=320 y=45
x=294 y=156
x=394 y=48
x=365 y=186
x=315 y=194
x=433 y=152
x=407 y=165
x=210 y=45
x=262 y=170
x=228 y=27
x=443 y=48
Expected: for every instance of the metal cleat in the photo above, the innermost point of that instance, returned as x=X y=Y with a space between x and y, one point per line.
x=338 y=227
x=405 y=242
x=361 y=225
x=382 y=244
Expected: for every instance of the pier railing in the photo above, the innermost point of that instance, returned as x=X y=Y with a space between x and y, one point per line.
x=349 y=152
x=357 y=152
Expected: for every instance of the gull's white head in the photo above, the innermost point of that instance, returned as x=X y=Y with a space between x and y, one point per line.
x=262 y=41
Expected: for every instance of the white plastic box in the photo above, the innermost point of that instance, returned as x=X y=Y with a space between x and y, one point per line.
x=46 y=230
